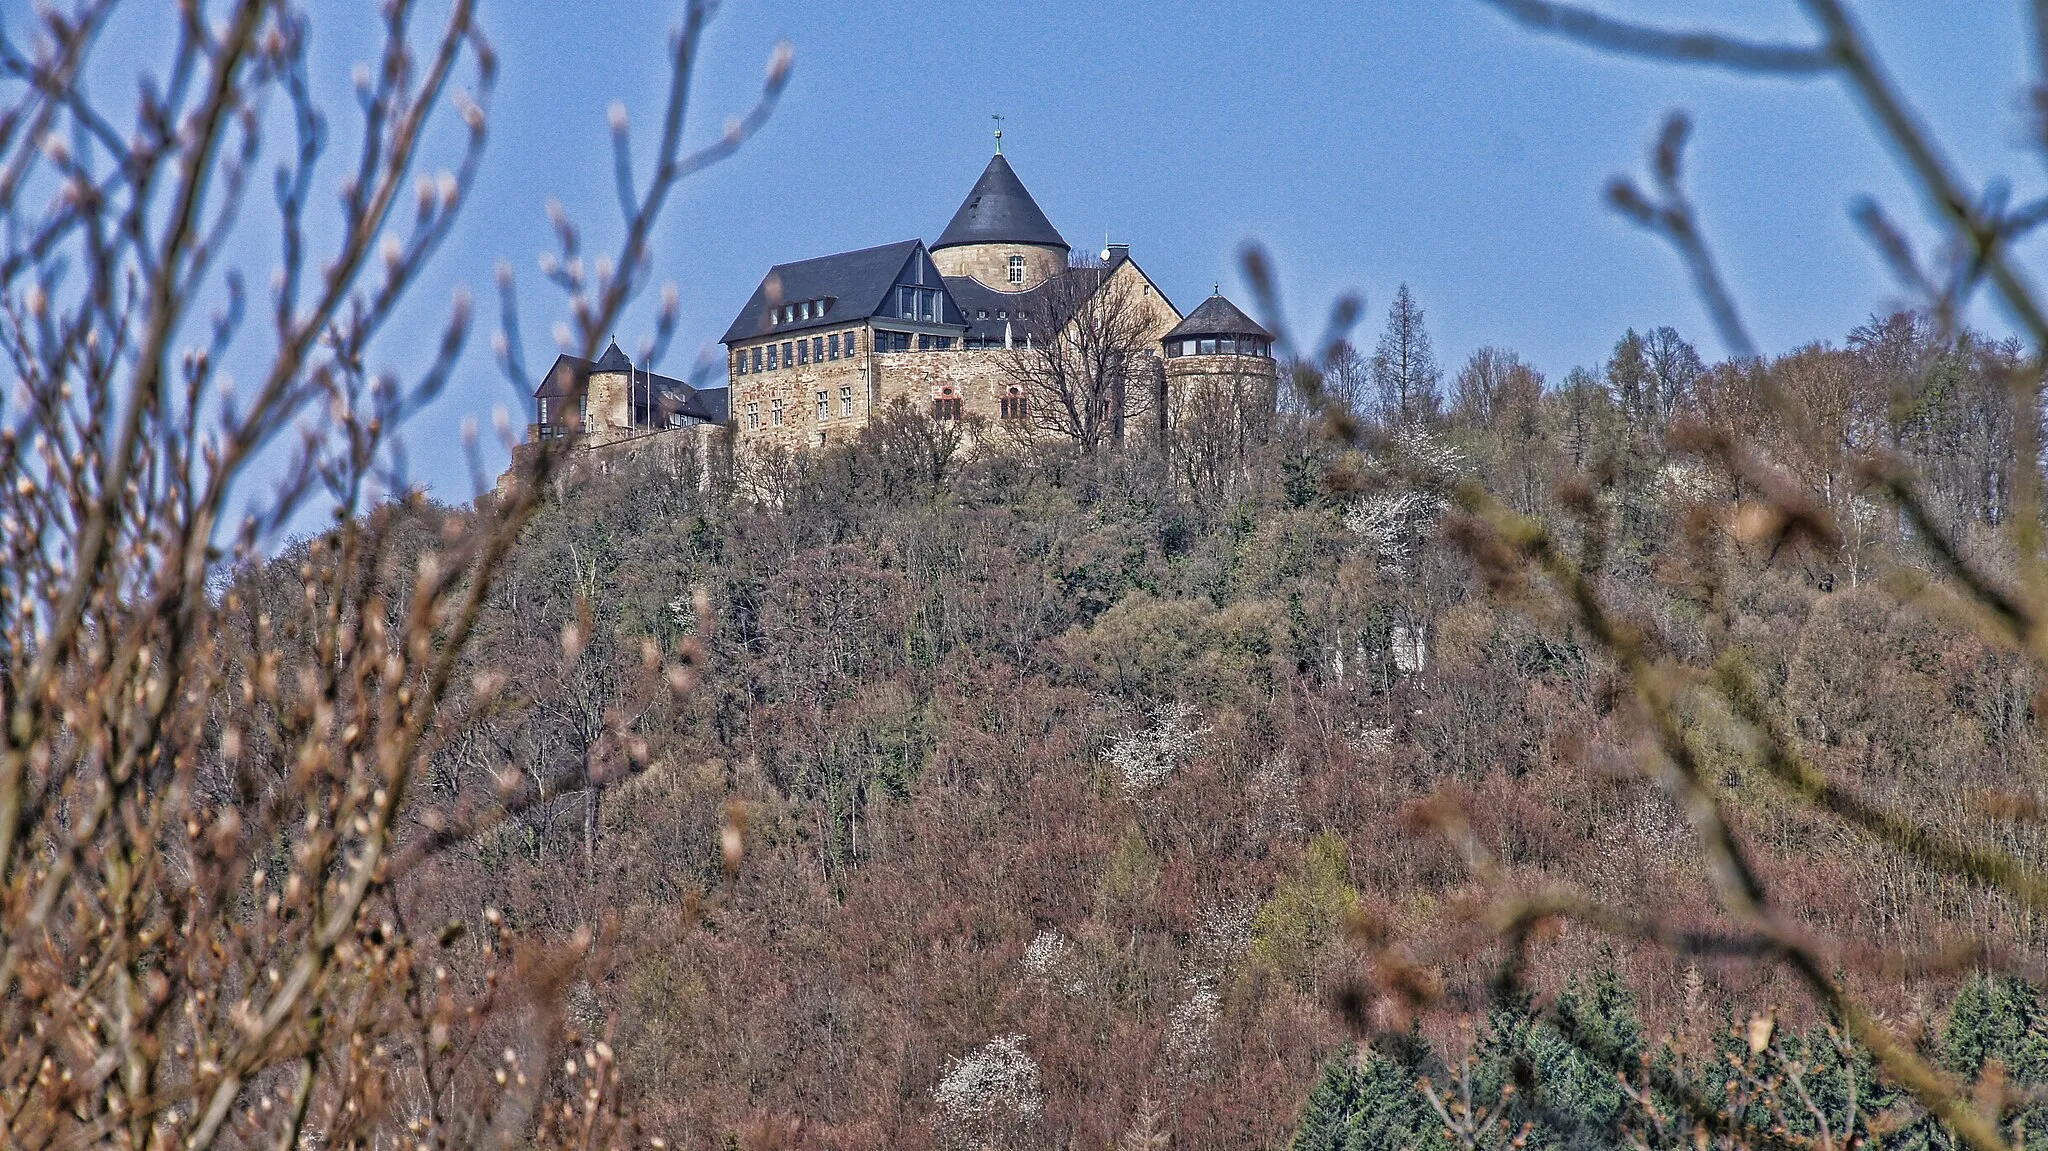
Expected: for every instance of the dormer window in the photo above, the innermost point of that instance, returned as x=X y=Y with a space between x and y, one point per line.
x=1016 y=269
x=804 y=310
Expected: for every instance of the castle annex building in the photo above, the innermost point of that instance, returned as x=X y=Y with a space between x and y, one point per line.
x=824 y=344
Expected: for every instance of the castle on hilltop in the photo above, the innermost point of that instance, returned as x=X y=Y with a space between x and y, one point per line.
x=994 y=323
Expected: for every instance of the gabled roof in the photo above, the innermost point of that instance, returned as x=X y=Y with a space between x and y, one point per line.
x=570 y=375
x=857 y=282
x=999 y=211
x=975 y=297
x=1217 y=317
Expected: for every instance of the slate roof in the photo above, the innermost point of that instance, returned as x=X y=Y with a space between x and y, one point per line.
x=569 y=375
x=1217 y=317
x=858 y=282
x=999 y=211
x=974 y=298
x=613 y=359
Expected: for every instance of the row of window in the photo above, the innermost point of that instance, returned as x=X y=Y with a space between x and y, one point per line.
x=802 y=310
x=824 y=397
x=1220 y=346
x=1014 y=407
x=901 y=342
x=788 y=354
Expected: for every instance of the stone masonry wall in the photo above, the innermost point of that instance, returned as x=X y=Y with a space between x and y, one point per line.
x=755 y=396
x=990 y=264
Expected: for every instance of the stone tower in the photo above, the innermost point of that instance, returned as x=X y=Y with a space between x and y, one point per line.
x=608 y=398
x=999 y=237
x=1220 y=375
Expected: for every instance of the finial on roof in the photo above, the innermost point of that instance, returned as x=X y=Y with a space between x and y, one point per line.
x=998 y=118
x=1216 y=289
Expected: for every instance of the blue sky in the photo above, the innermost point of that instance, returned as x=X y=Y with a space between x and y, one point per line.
x=1367 y=144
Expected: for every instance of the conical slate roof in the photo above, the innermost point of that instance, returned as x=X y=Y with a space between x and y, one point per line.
x=613 y=360
x=999 y=211
x=1217 y=317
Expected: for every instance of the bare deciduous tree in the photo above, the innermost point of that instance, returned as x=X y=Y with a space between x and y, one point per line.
x=1404 y=367
x=213 y=822
x=1088 y=367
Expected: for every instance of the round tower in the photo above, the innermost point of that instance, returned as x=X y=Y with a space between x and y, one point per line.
x=1220 y=374
x=999 y=237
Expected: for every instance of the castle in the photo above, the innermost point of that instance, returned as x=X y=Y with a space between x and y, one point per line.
x=965 y=329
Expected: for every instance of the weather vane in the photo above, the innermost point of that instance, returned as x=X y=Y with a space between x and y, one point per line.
x=998 y=118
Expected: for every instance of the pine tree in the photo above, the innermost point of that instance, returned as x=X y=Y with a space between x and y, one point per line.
x=1325 y=1122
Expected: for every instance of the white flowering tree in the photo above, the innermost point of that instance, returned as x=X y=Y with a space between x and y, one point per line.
x=1142 y=759
x=1191 y=1029
x=1408 y=483
x=987 y=1097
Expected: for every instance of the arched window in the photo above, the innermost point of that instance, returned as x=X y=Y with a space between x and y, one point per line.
x=1016 y=269
x=1013 y=403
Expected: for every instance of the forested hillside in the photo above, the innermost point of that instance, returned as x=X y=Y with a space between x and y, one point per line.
x=1027 y=796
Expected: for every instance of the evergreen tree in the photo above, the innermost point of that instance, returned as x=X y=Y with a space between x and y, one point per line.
x=1325 y=1123
x=1367 y=1101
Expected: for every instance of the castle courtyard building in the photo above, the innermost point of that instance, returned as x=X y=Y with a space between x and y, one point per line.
x=977 y=326
x=823 y=345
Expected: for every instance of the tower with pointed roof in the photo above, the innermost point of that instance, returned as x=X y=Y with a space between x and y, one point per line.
x=827 y=344
x=999 y=237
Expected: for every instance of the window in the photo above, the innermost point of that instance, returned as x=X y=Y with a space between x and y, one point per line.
x=946 y=408
x=824 y=405
x=892 y=341
x=788 y=361
x=934 y=343
x=803 y=351
x=757 y=357
x=754 y=415
x=1001 y=314
x=773 y=363
x=846 y=399
x=775 y=412
x=906 y=303
x=928 y=303
x=1229 y=345
x=739 y=366
x=817 y=349
x=803 y=311
x=1209 y=346
x=1013 y=406
x=832 y=345
x=543 y=410
x=982 y=315
x=1016 y=269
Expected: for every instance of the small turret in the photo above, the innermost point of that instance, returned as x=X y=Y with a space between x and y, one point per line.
x=1219 y=365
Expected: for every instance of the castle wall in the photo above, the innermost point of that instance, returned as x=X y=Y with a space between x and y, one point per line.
x=990 y=264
